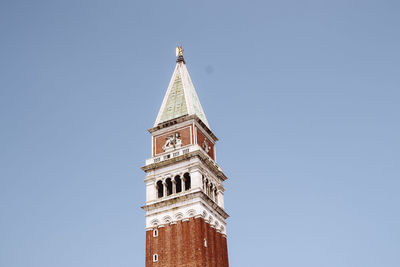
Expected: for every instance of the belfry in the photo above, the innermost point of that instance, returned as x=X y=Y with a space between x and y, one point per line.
x=185 y=215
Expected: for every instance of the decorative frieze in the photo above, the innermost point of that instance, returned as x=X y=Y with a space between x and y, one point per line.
x=183 y=214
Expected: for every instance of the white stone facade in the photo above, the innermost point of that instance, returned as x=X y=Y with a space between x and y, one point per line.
x=204 y=198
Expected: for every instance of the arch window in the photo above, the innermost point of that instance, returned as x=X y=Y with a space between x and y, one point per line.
x=155 y=233
x=168 y=183
x=160 y=189
x=155 y=257
x=186 y=178
x=178 y=184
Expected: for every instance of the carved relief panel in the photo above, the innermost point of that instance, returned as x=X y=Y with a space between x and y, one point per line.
x=172 y=140
x=205 y=144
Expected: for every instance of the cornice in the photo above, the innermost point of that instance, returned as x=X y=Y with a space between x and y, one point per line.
x=182 y=119
x=183 y=198
x=197 y=153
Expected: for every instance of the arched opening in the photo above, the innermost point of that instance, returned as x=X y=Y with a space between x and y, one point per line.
x=160 y=189
x=168 y=182
x=155 y=233
x=178 y=184
x=186 y=177
x=205 y=186
x=211 y=192
x=215 y=195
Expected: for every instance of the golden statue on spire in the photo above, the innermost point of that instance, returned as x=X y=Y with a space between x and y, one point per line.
x=179 y=54
x=179 y=51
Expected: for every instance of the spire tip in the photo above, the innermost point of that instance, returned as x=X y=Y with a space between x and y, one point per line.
x=179 y=54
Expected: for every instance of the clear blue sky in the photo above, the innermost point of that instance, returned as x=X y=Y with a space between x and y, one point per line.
x=304 y=96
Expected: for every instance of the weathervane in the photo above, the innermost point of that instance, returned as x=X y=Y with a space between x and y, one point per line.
x=179 y=54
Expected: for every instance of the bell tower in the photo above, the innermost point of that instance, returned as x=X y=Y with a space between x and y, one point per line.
x=185 y=215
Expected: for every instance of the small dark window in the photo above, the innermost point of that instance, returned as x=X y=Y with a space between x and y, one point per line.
x=186 y=177
x=160 y=189
x=178 y=184
x=169 y=186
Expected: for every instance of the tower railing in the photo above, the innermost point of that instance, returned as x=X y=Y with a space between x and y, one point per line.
x=178 y=152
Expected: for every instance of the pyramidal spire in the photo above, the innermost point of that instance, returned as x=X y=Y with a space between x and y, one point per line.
x=181 y=98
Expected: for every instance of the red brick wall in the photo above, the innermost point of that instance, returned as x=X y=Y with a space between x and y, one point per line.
x=200 y=140
x=182 y=245
x=159 y=140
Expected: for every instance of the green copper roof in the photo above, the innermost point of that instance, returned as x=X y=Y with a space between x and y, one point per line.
x=198 y=110
x=176 y=104
x=181 y=98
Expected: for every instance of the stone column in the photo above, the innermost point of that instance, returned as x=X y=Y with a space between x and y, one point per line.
x=197 y=179
x=173 y=185
x=183 y=179
x=220 y=198
x=151 y=190
x=165 y=188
